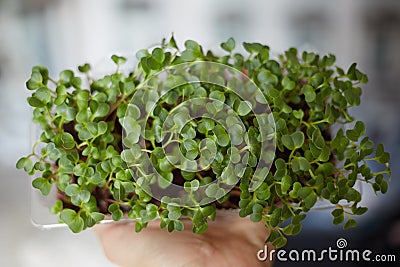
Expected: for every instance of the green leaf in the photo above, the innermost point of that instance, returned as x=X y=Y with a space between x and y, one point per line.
x=34 y=102
x=229 y=45
x=73 y=220
x=263 y=54
x=102 y=127
x=326 y=169
x=132 y=128
x=275 y=217
x=280 y=164
x=316 y=80
x=133 y=112
x=337 y=212
x=255 y=217
x=118 y=60
x=102 y=110
x=116 y=212
x=43 y=185
x=292 y=229
x=172 y=42
x=328 y=60
x=244 y=108
x=25 y=163
x=82 y=116
x=265 y=76
x=165 y=180
x=66 y=77
x=72 y=189
x=298 y=218
x=43 y=71
x=84 y=196
x=279 y=242
x=366 y=146
x=218 y=95
x=130 y=155
x=304 y=192
x=190 y=144
x=76 y=82
x=253 y=47
x=300 y=163
x=153 y=64
x=298 y=139
x=194 y=184
x=188 y=55
x=68 y=141
x=192 y=45
x=151 y=212
x=95 y=218
x=360 y=128
x=143 y=53
x=83 y=95
x=317 y=139
x=165 y=166
x=158 y=55
x=350 y=224
x=286 y=183
x=384 y=186
x=92 y=128
x=351 y=72
x=143 y=64
x=85 y=68
x=35 y=81
x=223 y=140
x=308 y=57
x=287 y=141
x=198 y=218
x=57 y=207
x=140 y=225
x=383 y=157
x=338 y=219
x=205 y=126
x=174 y=212
x=325 y=154
x=178 y=225
x=359 y=210
x=126 y=88
x=274 y=93
x=212 y=190
x=299 y=114
x=288 y=84
x=308 y=196
x=315 y=151
x=353 y=135
x=43 y=95
x=309 y=93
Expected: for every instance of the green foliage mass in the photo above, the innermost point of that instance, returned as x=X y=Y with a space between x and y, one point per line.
x=79 y=150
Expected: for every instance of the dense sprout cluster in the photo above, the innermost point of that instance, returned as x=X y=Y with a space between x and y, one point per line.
x=82 y=142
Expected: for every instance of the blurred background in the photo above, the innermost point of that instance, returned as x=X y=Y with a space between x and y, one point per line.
x=66 y=33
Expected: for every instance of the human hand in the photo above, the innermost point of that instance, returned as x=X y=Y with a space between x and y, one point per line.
x=229 y=241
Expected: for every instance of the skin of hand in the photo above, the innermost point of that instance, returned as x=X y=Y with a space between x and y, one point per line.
x=228 y=241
